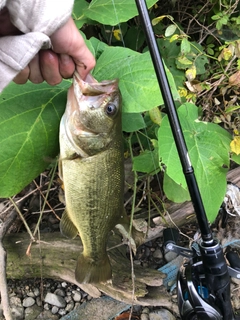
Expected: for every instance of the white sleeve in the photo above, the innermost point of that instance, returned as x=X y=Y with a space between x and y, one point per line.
x=37 y=19
x=16 y=52
x=2 y=3
x=44 y=16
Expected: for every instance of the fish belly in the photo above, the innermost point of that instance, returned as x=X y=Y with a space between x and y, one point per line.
x=94 y=204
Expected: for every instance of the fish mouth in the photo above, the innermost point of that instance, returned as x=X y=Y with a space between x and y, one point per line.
x=91 y=87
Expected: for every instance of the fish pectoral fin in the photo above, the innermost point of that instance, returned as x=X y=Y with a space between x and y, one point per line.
x=67 y=227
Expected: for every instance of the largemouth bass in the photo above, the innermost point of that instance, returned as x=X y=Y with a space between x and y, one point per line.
x=91 y=167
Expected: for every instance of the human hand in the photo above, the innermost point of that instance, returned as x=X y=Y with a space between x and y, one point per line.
x=69 y=52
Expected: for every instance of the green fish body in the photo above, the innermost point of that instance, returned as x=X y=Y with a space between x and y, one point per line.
x=91 y=167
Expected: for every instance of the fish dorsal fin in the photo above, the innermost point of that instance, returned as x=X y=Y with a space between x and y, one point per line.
x=67 y=227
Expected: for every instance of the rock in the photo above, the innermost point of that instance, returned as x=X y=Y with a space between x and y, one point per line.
x=170 y=255
x=64 y=284
x=15 y=301
x=157 y=254
x=59 y=292
x=30 y=294
x=17 y=313
x=28 y=302
x=54 y=310
x=77 y=296
x=39 y=301
x=145 y=314
x=47 y=315
x=97 y=309
x=32 y=312
x=36 y=292
x=161 y=314
x=68 y=299
x=62 y=312
x=69 y=306
x=55 y=300
x=16 y=308
x=46 y=306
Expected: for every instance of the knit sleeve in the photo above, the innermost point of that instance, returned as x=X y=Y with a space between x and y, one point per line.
x=44 y=16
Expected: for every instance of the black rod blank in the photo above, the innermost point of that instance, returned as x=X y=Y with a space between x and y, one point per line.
x=175 y=124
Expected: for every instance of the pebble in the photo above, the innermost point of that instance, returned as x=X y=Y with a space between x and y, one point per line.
x=69 y=306
x=28 y=302
x=32 y=312
x=55 y=309
x=36 y=292
x=17 y=313
x=157 y=254
x=161 y=314
x=30 y=294
x=59 y=292
x=55 y=300
x=77 y=296
x=145 y=314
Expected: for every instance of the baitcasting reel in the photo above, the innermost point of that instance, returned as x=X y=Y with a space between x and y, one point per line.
x=200 y=293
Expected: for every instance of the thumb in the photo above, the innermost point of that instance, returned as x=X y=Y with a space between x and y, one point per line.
x=68 y=40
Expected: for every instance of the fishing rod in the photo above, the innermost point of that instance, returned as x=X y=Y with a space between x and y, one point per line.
x=203 y=287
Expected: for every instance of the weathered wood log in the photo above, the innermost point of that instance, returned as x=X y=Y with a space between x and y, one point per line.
x=53 y=256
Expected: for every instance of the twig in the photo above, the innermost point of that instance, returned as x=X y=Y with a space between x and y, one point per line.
x=3 y=257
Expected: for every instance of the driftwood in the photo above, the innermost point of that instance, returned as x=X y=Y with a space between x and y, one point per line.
x=53 y=256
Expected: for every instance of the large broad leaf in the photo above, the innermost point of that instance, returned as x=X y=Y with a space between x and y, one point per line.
x=208 y=146
x=137 y=79
x=29 y=122
x=113 y=12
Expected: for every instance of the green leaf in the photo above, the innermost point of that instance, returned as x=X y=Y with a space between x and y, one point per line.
x=235 y=158
x=132 y=122
x=185 y=46
x=216 y=17
x=113 y=12
x=29 y=121
x=147 y=162
x=179 y=192
x=170 y=30
x=79 y=18
x=208 y=146
x=137 y=79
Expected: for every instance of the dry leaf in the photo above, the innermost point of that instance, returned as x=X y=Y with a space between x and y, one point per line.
x=234 y=80
x=235 y=145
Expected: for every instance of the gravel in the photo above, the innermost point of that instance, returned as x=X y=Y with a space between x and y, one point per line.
x=51 y=300
x=43 y=299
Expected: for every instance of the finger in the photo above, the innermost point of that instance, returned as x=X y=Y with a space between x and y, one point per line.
x=49 y=64
x=85 y=62
x=66 y=66
x=35 y=75
x=22 y=77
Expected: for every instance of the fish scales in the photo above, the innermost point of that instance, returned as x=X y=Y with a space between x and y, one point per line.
x=91 y=167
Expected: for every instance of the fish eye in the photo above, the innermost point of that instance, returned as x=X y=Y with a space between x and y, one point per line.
x=111 y=109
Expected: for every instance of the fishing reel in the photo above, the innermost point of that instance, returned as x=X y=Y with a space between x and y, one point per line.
x=203 y=287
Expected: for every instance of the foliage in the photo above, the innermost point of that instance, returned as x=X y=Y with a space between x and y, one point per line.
x=196 y=69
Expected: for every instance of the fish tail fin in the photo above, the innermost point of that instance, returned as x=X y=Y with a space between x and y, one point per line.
x=90 y=271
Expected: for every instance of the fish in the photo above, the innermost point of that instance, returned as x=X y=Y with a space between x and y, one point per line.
x=91 y=166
